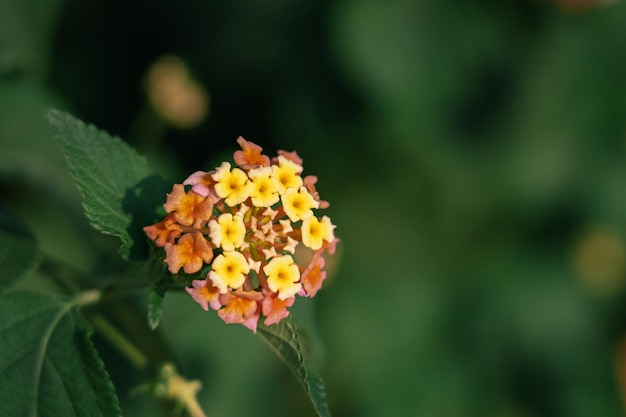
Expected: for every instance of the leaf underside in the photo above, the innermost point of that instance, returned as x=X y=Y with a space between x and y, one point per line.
x=48 y=365
x=284 y=341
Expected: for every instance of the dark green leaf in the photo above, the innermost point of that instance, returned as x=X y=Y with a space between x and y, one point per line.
x=48 y=365
x=19 y=251
x=155 y=304
x=283 y=339
x=119 y=193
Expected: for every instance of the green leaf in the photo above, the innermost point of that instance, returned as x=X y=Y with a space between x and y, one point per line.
x=19 y=251
x=155 y=304
x=119 y=192
x=48 y=365
x=284 y=341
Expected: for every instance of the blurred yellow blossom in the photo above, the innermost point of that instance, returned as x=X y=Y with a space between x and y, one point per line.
x=174 y=95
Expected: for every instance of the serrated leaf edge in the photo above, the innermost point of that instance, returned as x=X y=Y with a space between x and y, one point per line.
x=301 y=372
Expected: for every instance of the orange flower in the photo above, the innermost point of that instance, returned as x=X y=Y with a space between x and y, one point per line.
x=241 y=307
x=202 y=183
x=189 y=253
x=188 y=208
x=274 y=309
x=164 y=231
x=204 y=293
x=292 y=156
x=250 y=154
x=314 y=275
x=309 y=183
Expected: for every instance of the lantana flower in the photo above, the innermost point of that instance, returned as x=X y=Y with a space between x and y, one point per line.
x=283 y=276
x=189 y=253
x=232 y=234
x=298 y=203
x=231 y=185
x=229 y=270
x=315 y=232
x=287 y=173
x=227 y=231
x=264 y=191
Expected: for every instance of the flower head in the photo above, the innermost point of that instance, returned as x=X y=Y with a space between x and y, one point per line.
x=246 y=225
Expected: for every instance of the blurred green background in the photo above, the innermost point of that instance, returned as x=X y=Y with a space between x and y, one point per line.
x=474 y=154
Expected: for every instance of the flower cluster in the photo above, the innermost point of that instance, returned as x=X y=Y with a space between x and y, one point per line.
x=246 y=222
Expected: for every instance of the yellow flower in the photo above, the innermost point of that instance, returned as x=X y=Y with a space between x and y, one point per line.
x=229 y=270
x=175 y=96
x=283 y=276
x=227 y=231
x=314 y=232
x=287 y=173
x=298 y=204
x=264 y=190
x=231 y=185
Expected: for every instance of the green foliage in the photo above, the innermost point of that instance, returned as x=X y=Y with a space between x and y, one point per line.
x=120 y=196
x=155 y=304
x=284 y=341
x=115 y=182
x=48 y=364
x=19 y=252
x=476 y=161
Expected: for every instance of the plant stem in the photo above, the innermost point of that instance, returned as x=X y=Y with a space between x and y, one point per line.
x=86 y=298
x=116 y=338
